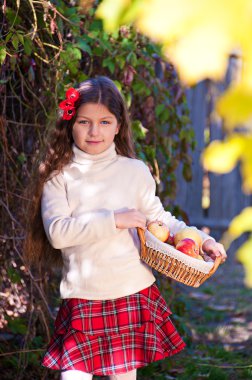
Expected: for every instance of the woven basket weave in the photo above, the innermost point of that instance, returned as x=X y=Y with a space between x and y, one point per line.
x=174 y=264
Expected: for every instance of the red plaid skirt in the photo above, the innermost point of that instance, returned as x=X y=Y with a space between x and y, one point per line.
x=112 y=336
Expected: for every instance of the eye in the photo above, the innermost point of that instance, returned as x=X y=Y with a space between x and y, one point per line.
x=105 y=122
x=83 y=121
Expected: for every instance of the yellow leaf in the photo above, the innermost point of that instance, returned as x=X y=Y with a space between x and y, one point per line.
x=111 y=12
x=192 y=55
x=221 y=157
x=235 y=106
x=241 y=223
x=164 y=20
x=244 y=255
x=197 y=35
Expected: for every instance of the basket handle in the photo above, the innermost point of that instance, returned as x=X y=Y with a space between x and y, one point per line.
x=217 y=262
x=141 y=235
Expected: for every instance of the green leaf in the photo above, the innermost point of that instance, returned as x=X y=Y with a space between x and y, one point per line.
x=2 y=54
x=150 y=152
x=105 y=36
x=98 y=51
x=118 y=85
x=128 y=98
x=15 y=41
x=140 y=88
x=159 y=109
x=127 y=44
x=20 y=38
x=109 y=63
x=139 y=131
x=94 y=34
x=71 y=54
x=115 y=34
x=96 y=25
x=82 y=77
x=120 y=61
x=22 y=158
x=187 y=134
x=13 y=275
x=91 y=12
x=13 y=62
x=75 y=53
x=17 y=325
x=27 y=46
x=162 y=112
x=13 y=17
x=73 y=67
x=185 y=119
x=187 y=172
x=132 y=58
x=68 y=12
x=8 y=37
x=83 y=46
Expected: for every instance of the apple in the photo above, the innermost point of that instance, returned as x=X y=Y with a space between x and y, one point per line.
x=199 y=257
x=170 y=239
x=159 y=230
x=189 y=247
x=190 y=233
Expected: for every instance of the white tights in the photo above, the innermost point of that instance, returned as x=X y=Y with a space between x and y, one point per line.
x=79 y=375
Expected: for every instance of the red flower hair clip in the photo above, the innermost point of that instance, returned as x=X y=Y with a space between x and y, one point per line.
x=67 y=105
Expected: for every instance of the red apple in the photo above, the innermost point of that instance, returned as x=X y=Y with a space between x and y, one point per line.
x=189 y=247
x=159 y=230
x=170 y=240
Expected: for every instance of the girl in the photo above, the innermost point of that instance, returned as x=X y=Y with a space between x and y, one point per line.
x=94 y=193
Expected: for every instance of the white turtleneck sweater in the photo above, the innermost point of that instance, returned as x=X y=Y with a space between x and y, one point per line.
x=101 y=261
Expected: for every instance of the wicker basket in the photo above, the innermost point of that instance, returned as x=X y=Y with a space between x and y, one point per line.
x=174 y=264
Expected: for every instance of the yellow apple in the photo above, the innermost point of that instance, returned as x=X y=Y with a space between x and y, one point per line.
x=189 y=233
x=159 y=230
x=200 y=257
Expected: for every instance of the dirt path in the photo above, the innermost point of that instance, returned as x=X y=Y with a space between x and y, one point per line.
x=221 y=325
x=231 y=305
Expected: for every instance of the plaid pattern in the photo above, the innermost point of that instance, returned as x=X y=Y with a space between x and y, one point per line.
x=112 y=336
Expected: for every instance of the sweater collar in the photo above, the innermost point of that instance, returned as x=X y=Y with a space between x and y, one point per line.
x=82 y=157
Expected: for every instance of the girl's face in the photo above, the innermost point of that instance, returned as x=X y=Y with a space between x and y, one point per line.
x=95 y=128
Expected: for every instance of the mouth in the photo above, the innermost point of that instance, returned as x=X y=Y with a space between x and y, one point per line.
x=93 y=142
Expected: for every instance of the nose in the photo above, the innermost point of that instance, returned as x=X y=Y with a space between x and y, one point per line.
x=94 y=129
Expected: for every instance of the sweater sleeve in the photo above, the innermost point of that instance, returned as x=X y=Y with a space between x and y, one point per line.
x=61 y=228
x=153 y=209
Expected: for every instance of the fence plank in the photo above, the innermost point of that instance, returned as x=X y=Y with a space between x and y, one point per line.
x=189 y=195
x=226 y=196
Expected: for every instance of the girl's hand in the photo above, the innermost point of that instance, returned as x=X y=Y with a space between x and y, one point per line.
x=129 y=219
x=214 y=249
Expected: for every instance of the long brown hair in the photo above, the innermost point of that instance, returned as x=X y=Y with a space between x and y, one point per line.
x=58 y=153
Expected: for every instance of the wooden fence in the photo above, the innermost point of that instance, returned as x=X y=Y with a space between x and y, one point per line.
x=210 y=200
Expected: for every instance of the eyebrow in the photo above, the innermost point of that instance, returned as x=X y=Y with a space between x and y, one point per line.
x=104 y=117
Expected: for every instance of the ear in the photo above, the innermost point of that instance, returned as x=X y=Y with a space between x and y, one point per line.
x=117 y=129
